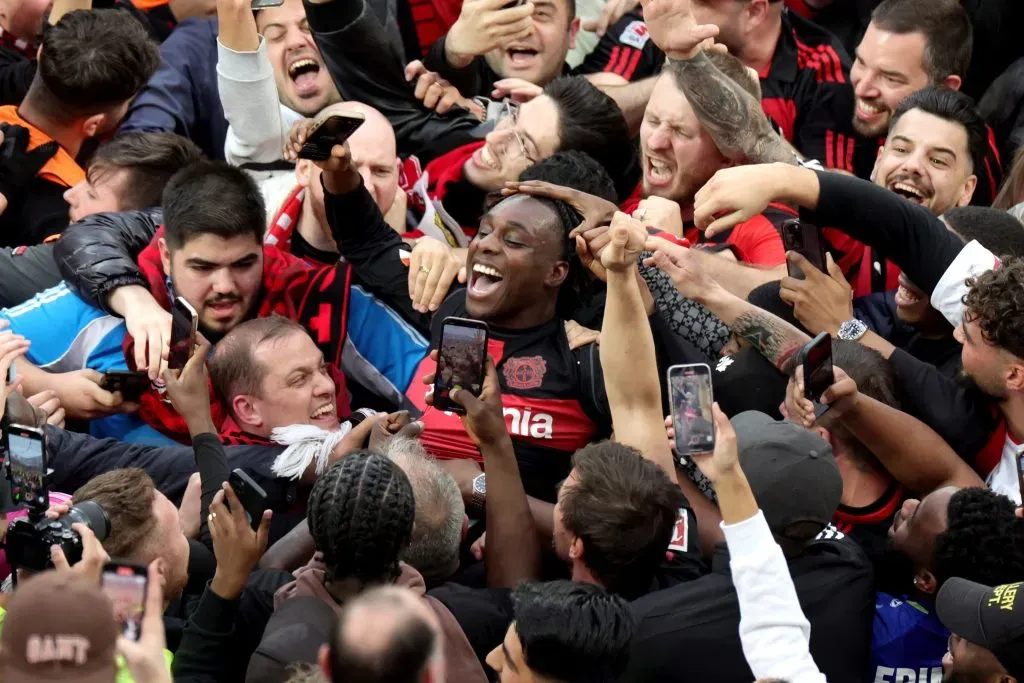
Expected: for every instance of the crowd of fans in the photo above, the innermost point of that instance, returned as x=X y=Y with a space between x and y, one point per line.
x=606 y=184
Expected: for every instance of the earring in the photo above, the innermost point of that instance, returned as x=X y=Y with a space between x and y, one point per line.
x=916 y=580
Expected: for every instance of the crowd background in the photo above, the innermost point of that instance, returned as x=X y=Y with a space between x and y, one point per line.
x=606 y=185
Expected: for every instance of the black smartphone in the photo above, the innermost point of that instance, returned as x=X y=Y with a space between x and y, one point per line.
x=12 y=372
x=26 y=466
x=265 y=4
x=816 y=358
x=250 y=494
x=184 y=323
x=331 y=131
x=806 y=240
x=461 y=359
x=131 y=384
x=690 y=398
x=126 y=584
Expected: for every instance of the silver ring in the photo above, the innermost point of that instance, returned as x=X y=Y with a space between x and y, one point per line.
x=213 y=516
x=424 y=268
x=640 y=213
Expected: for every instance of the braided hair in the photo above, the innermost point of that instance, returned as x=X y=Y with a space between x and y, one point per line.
x=361 y=512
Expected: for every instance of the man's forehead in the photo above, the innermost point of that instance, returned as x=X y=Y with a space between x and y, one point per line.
x=901 y=52
x=217 y=250
x=923 y=128
x=291 y=12
x=523 y=211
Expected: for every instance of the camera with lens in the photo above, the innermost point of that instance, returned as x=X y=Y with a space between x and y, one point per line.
x=25 y=484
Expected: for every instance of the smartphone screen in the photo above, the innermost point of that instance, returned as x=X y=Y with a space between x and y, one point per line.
x=334 y=130
x=125 y=585
x=691 y=397
x=183 y=333
x=818 y=375
x=26 y=459
x=460 y=361
x=805 y=239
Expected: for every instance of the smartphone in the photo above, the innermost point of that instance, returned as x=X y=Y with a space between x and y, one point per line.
x=250 y=494
x=265 y=4
x=26 y=466
x=184 y=323
x=461 y=359
x=331 y=131
x=125 y=585
x=690 y=398
x=805 y=239
x=816 y=358
x=131 y=384
x=12 y=372
x=1020 y=472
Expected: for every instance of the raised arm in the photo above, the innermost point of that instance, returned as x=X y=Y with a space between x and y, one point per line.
x=627 y=350
x=773 y=337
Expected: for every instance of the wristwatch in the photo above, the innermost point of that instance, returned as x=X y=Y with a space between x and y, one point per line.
x=852 y=330
x=479 y=492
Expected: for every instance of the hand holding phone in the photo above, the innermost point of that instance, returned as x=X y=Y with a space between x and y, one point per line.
x=26 y=461
x=691 y=398
x=328 y=132
x=126 y=585
x=250 y=494
x=131 y=384
x=816 y=358
x=806 y=240
x=184 y=325
x=461 y=357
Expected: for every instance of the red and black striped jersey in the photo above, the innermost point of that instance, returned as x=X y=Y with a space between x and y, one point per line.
x=806 y=92
x=626 y=49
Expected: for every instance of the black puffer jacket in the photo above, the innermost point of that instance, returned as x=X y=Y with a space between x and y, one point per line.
x=97 y=255
x=1003 y=109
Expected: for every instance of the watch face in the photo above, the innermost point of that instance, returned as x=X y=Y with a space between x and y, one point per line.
x=480 y=484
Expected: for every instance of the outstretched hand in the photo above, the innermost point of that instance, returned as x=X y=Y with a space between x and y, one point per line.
x=674 y=29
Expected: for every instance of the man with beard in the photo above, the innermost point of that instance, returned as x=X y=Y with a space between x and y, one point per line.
x=970 y=533
x=984 y=422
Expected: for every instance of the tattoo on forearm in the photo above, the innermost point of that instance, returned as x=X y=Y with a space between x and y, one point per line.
x=731 y=115
x=774 y=338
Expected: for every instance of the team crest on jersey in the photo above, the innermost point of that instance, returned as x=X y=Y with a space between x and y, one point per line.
x=636 y=35
x=525 y=373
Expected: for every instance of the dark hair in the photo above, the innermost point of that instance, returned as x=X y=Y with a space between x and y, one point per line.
x=995 y=301
x=589 y=121
x=946 y=27
x=361 y=512
x=767 y=297
x=150 y=159
x=994 y=229
x=573 y=632
x=955 y=107
x=126 y=495
x=875 y=379
x=984 y=540
x=624 y=508
x=401 y=658
x=234 y=370
x=92 y=61
x=212 y=198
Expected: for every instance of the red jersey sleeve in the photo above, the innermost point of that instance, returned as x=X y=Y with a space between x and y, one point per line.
x=758 y=242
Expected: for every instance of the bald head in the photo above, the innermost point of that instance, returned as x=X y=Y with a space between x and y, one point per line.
x=374 y=151
x=387 y=634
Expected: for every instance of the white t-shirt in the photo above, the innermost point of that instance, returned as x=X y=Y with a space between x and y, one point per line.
x=1003 y=478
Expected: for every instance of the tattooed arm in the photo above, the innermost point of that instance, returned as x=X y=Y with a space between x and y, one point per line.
x=731 y=115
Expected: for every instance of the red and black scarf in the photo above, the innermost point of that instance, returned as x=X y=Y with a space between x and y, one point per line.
x=316 y=298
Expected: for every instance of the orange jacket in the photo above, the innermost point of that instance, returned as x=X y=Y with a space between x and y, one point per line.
x=62 y=169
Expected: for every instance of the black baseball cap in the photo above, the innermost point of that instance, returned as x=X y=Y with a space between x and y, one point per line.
x=988 y=617
x=791 y=470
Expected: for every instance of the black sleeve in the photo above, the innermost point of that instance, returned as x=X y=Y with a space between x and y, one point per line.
x=97 y=254
x=822 y=129
x=963 y=417
x=212 y=462
x=475 y=79
x=907 y=234
x=626 y=49
x=483 y=613
x=365 y=68
x=39 y=213
x=372 y=248
x=16 y=74
x=26 y=271
x=206 y=640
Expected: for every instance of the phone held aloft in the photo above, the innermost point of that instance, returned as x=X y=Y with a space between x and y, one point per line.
x=816 y=358
x=690 y=397
x=461 y=359
x=184 y=325
x=126 y=585
x=328 y=132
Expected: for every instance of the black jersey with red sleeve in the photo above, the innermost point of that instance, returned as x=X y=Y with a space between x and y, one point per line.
x=806 y=91
x=626 y=50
